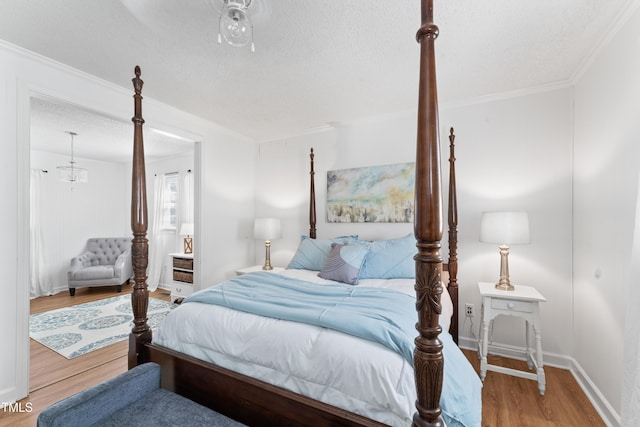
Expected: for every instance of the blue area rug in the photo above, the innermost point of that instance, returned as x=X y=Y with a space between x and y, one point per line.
x=79 y=329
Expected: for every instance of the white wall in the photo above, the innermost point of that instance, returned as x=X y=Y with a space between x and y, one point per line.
x=14 y=288
x=227 y=211
x=515 y=154
x=512 y=154
x=89 y=210
x=607 y=161
x=282 y=185
x=223 y=211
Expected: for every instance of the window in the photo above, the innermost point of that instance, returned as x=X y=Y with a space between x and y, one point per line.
x=169 y=201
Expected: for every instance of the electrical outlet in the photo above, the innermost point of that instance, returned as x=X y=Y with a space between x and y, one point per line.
x=468 y=310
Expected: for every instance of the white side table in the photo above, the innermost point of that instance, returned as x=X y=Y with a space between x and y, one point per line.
x=181 y=268
x=258 y=268
x=522 y=302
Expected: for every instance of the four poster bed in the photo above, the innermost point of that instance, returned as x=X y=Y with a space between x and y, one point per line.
x=227 y=348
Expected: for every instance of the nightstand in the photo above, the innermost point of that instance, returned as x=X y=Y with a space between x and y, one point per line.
x=258 y=268
x=522 y=302
x=181 y=268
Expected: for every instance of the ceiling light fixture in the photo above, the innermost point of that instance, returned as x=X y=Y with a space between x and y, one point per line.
x=235 y=25
x=72 y=173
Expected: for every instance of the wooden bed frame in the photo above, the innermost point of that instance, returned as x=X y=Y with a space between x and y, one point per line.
x=256 y=403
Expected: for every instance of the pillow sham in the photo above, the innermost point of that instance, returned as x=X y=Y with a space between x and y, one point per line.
x=312 y=253
x=390 y=259
x=344 y=262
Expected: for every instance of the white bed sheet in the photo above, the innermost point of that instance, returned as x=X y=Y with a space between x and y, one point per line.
x=326 y=365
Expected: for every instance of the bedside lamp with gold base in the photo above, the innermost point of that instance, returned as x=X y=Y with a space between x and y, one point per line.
x=504 y=228
x=267 y=229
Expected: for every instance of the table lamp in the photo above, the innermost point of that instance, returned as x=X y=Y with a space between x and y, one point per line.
x=267 y=229
x=504 y=228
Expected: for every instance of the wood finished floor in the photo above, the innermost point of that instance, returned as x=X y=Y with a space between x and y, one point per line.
x=512 y=401
x=507 y=401
x=53 y=377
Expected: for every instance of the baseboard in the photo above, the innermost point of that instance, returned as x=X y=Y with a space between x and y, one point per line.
x=609 y=416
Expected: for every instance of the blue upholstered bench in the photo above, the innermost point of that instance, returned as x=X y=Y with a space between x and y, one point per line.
x=133 y=398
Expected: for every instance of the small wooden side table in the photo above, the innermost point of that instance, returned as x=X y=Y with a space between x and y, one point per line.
x=522 y=302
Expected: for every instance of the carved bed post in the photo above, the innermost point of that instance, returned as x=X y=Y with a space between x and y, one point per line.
x=452 y=211
x=312 y=200
x=428 y=224
x=140 y=333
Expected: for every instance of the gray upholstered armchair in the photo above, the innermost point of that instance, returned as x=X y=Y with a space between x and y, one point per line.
x=107 y=261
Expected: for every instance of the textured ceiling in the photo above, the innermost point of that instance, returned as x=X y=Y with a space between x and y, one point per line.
x=98 y=137
x=316 y=62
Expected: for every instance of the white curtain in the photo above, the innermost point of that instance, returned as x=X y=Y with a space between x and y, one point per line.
x=157 y=237
x=41 y=283
x=164 y=240
x=630 y=413
x=185 y=204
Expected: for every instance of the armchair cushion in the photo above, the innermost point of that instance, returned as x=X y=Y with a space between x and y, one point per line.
x=94 y=273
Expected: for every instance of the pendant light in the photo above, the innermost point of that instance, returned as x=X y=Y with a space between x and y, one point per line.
x=72 y=173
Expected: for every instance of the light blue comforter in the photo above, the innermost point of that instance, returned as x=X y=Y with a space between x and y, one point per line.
x=384 y=316
x=349 y=309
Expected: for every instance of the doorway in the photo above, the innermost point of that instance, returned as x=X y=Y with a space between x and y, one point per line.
x=72 y=212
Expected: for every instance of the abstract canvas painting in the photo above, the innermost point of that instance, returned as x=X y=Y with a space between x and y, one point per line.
x=371 y=194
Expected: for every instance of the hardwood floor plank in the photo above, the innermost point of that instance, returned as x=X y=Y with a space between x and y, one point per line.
x=47 y=366
x=53 y=377
x=513 y=401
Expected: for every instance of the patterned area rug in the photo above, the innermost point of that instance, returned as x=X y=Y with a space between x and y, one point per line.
x=79 y=329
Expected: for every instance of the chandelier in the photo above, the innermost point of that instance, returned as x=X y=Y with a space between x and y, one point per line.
x=235 y=26
x=72 y=173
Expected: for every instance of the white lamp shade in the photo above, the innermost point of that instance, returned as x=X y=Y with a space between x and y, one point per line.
x=505 y=228
x=186 y=229
x=267 y=229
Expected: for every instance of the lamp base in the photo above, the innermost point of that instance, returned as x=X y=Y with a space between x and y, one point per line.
x=504 y=283
x=267 y=256
x=188 y=245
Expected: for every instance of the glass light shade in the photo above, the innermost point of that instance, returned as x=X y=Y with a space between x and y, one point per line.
x=73 y=174
x=267 y=229
x=235 y=26
x=505 y=228
x=186 y=229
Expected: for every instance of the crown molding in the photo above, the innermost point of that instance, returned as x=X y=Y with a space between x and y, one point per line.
x=500 y=96
x=619 y=21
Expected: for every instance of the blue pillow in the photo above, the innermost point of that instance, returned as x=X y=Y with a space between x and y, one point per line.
x=390 y=259
x=344 y=262
x=312 y=253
